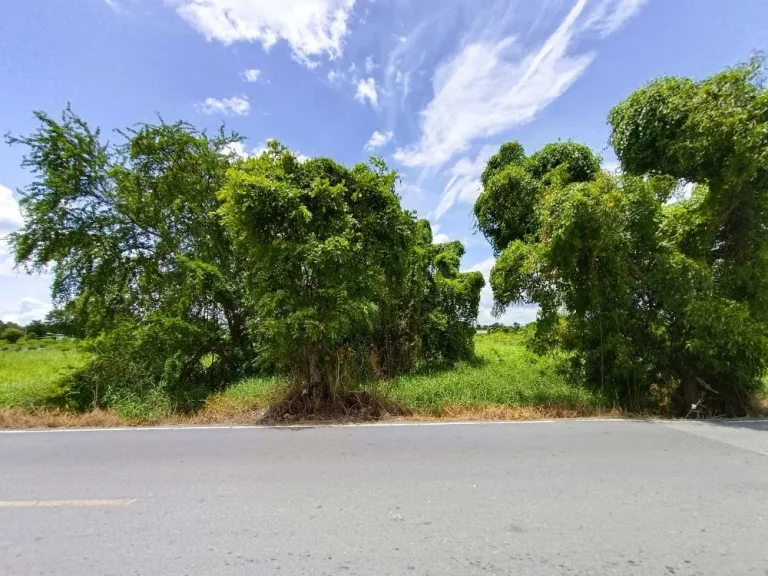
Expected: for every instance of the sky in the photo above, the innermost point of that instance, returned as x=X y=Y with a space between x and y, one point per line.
x=432 y=86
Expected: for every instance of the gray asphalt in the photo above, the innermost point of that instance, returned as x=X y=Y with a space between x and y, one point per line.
x=567 y=497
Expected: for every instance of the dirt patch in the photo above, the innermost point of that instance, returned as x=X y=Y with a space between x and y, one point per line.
x=346 y=406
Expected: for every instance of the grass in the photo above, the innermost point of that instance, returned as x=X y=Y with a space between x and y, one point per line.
x=507 y=381
x=506 y=374
x=28 y=377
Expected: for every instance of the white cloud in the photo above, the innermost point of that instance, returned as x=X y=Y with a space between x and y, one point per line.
x=520 y=314
x=10 y=221
x=378 y=139
x=406 y=188
x=464 y=185
x=312 y=28
x=237 y=105
x=6 y=260
x=491 y=86
x=25 y=311
x=610 y=15
x=10 y=215
x=335 y=76
x=369 y=64
x=238 y=149
x=250 y=75
x=437 y=236
x=366 y=90
x=116 y=6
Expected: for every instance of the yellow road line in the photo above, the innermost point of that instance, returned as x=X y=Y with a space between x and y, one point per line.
x=65 y=503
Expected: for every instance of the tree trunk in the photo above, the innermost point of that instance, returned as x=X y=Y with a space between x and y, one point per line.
x=690 y=391
x=316 y=385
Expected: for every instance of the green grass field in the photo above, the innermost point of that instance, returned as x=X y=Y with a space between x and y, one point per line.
x=28 y=378
x=506 y=373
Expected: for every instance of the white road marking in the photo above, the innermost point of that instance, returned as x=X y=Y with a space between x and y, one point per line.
x=318 y=425
x=65 y=503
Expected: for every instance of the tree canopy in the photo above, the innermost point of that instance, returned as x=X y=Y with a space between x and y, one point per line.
x=653 y=294
x=186 y=266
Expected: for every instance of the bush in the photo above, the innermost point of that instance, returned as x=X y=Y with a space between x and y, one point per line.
x=131 y=365
x=11 y=334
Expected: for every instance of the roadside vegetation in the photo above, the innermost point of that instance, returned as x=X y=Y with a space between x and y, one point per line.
x=32 y=371
x=206 y=285
x=505 y=380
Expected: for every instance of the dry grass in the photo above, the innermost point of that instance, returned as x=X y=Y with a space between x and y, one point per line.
x=58 y=418
x=760 y=405
x=228 y=415
x=502 y=412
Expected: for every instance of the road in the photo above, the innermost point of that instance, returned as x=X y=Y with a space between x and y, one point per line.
x=550 y=498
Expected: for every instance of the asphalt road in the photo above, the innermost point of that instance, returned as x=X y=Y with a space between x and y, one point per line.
x=579 y=497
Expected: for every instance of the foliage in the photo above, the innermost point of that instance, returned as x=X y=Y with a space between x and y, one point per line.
x=186 y=267
x=31 y=378
x=505 y=373
x=340 y=275
x=11 y=334
x=655 y=292
x=135 y=243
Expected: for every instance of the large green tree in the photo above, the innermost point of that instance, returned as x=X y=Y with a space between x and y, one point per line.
x=185 y=266
x=339 y=274
x=656 y=293
x=140 y=260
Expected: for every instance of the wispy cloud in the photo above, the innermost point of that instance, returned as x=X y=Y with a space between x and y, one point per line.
x=464 y=185
x=237 y=105
x=366 y=90
x=378 y=139
x=25 y=311
x=312 y=28
x=116 y=6
x=491 y=86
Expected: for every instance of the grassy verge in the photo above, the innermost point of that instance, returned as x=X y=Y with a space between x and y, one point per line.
x=506 y=382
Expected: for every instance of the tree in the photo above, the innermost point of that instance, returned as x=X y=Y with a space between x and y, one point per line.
x=648 y=293
x=714 y=134
x=136 y=247
x=185 y=266
x=338 y=271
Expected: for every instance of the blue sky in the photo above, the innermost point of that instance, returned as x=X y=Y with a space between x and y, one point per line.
x=434 y=86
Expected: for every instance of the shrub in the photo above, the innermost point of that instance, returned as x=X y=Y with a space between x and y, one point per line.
x=11 y=334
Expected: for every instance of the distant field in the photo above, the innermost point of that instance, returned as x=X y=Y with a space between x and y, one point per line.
x=28 y=377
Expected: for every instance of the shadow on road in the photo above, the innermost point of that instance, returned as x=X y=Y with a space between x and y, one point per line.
x=757 y=425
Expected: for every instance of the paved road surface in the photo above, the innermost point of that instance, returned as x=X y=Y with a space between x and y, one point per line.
x=581 y=497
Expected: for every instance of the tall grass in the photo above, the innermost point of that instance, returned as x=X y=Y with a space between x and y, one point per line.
x=29 y=377
x=505 y=373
